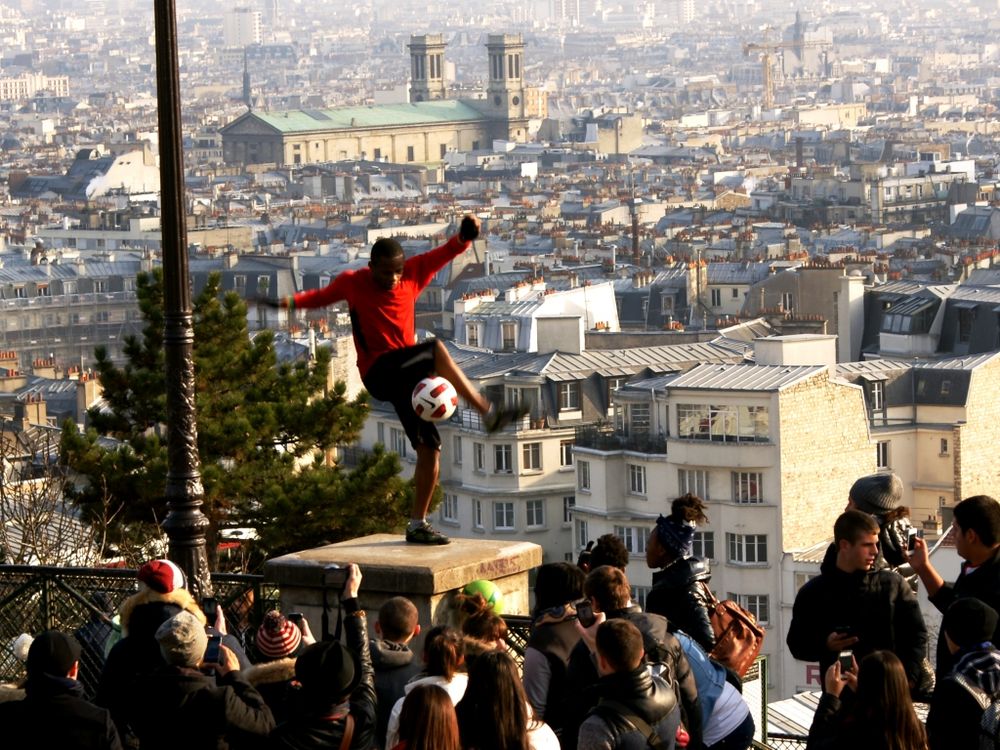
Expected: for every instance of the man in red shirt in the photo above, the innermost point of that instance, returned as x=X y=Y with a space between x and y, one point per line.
x=381 y=301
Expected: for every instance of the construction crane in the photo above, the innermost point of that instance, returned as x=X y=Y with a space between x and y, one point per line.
x=767 y=51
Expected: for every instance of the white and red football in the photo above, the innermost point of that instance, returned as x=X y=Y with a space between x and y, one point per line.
x=434 y=399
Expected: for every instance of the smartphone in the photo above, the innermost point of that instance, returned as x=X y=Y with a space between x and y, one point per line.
x=294 y=617
x=210 y=606
x=847 y=630
x=911 y=538
x=213 y=652
x=846 y=659
x=585 y=613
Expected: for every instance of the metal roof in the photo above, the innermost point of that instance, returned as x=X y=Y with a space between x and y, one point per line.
x=499 y=308
x=970 y=362
x=742 y=377
x=375 y=116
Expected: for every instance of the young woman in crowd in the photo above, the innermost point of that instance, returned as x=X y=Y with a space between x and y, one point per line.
x=427 y=721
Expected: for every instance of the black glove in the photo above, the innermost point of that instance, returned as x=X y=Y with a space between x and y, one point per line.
x=469 y=229
x=269 y=301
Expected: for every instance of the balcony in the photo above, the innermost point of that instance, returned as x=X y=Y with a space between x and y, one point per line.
x=605 y=438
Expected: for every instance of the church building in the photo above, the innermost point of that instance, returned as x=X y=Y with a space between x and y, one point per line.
x=422 y=131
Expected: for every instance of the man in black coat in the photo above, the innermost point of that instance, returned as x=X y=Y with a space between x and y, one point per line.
x=54 y=712
x=957 y=705
x=853 y=606
x=977 y=541
x=609 y=592
x=180 y=705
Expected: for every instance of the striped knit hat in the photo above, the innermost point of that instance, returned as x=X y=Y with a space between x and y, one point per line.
x=278 y=638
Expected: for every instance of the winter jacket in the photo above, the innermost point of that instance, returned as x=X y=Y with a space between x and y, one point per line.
x=650 y=698
x=307 y=730
x=953 y=720
x=878 y=605
x=54 y=714
x=546 y=661
x=455 y=687
x=663 y=653
x=168 y=703
x=893 y=537
x=984 y=584
x=395 y=665
x=678 y=594
x=273 y=680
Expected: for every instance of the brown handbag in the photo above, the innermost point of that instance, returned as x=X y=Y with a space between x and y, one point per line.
x=738 y=637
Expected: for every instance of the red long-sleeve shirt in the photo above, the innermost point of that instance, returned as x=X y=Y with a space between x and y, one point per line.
x=383 y=319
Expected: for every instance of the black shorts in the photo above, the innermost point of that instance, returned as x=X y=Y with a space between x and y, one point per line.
x=393 y=377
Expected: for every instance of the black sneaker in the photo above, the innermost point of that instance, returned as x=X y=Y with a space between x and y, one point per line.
x=500 y=416
x=425 y=534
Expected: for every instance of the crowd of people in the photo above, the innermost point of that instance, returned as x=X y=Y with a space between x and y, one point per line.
x=598 y=671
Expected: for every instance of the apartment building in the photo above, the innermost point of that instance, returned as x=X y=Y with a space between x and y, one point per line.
x=752 y=441
x=522 y=482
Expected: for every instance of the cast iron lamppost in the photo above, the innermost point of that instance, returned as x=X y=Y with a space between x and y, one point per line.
x=185 y=524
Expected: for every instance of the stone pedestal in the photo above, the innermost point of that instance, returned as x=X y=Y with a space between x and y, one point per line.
x=427 y=575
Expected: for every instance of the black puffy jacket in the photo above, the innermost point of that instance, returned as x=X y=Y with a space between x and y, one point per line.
x=650 y=698
x=678 y=594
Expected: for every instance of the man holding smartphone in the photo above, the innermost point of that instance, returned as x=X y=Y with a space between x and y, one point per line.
x=854 y=606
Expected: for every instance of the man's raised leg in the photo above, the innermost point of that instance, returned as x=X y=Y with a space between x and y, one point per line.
x=495 y=415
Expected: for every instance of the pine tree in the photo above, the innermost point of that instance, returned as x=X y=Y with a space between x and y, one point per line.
x=265 y=432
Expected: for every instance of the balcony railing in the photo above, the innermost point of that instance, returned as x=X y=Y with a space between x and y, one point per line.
x=606 y=438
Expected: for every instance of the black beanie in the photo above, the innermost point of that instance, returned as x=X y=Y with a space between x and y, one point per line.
x=53 y=653
x=969 y=621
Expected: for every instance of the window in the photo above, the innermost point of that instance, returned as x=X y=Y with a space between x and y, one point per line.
x=100 y=285
x=636 y=479
x=723 y=423
x=477 y=514
x=639 y=594
x=583 y=475
x=472 y=334
x=19 y=292
x=633 y=537
x=877 y=395
x=409 y=153
x=240 y=282
x=786 y=302
x=569 y=502
x=534 y=514
x=565 y=453
x=638 y=419
x=613 y=385
x=42 y=290
x=582 y=533
x=456 y=450
x=965 y=318
x=703 y=544
x=747 y=549
x=449 y=507
x=502 y=459
x=443 y=149
x=736 y=293
x=380 y=431
x=479 y=457
x=397 y=441
x=503 y=515
x=531 y=457
x=801 y=578
x=882 y=454
x=263 y=282
x=944 y=446
x=748 y=487
x=755 y=604
x=102 y=316
x=716 y=297
x=508 y=332
x=694 y=481
x=569 y=396
x=377 y=154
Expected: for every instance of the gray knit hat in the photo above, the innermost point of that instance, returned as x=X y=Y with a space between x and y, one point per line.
x=877 y=493
x=182 y=640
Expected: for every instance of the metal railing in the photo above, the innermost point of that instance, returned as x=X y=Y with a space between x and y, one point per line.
x=85 y=601
x=606 y=438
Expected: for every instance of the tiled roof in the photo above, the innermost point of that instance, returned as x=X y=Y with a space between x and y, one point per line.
x=383 y=115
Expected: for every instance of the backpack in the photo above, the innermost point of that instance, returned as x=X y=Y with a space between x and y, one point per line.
x=989 y=724
x=738 y=637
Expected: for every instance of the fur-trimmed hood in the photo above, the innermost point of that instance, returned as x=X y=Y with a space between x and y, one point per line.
x=10 y=692
x=269 y=672
x=181 y=598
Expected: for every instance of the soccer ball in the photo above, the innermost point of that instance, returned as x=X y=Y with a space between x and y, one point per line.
x=434 y=399
x=489 y=591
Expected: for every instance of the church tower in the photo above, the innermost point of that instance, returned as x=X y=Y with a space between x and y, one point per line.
x=426 y=68
x=505 y=93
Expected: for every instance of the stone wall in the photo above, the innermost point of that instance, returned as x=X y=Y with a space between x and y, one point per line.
x=824 y=447
x=977 y=471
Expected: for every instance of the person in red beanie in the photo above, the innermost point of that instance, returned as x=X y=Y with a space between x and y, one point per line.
x=277 y=643
x=381 y=299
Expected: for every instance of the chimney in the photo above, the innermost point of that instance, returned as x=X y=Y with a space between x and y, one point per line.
x=31 y=411
x=88 y=392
